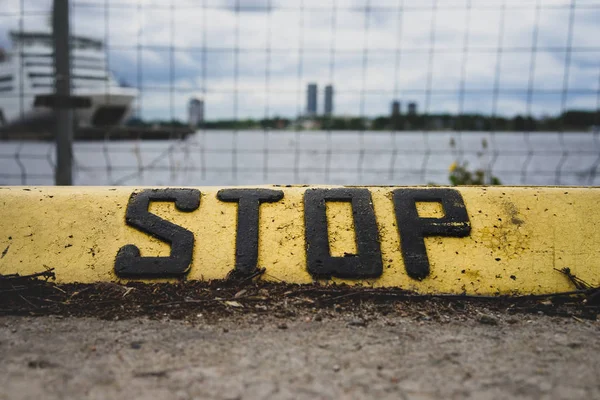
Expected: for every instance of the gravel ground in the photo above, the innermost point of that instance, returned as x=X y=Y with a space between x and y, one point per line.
x=254 y=340
x=311 y=353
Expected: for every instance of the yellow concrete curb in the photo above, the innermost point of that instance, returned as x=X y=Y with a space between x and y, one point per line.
x=474 y=240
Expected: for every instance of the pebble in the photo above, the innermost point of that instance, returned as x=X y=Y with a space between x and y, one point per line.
x=357 y=322
x=487 y=320
x=136 y=345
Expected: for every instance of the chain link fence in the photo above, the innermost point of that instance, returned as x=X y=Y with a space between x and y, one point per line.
x=405 y=91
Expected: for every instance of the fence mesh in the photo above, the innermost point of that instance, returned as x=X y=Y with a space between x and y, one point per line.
x=510 y=87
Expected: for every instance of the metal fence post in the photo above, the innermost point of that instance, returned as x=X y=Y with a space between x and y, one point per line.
x=63 y=113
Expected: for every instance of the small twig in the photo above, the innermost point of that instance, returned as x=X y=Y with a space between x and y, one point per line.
x=257 y=272
x=79 y=292
x=178 y=303
x=578 y=282
x=13 y=289
x=46 y=274
x=236 y=276
x=55 y=287
x=378 y=293
x=50 y=301
x=27 y=301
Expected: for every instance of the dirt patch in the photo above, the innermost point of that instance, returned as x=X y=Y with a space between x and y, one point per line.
x=255 y=340
x=474 y=353
x=37 y=295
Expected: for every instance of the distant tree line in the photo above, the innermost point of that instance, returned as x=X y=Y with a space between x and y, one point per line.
x=273 y=123
x=568 y=121
x=572 y=120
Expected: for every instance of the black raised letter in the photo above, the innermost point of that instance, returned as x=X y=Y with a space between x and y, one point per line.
x=367 y=263
x=413 y=229
x=129 y=263
x=246 y=242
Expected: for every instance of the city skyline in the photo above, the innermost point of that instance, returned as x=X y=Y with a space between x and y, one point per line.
x=312 y=101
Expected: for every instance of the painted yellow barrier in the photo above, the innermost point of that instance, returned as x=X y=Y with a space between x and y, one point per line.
x=474 y=240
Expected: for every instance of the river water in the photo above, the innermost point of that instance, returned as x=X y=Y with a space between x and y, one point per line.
x=314 y=157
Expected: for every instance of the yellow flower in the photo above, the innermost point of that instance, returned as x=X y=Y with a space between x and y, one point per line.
x=453 y=166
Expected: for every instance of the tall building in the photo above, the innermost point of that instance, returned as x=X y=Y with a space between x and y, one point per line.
x=396 y=109
x=311 y=100
x=412 y=108
x=395 y=119
x=328 y=100
x=195 y=112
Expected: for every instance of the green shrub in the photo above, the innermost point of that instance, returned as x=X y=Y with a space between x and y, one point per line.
x=460 y=175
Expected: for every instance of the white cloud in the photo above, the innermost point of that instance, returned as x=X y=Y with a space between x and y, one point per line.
x=396 y=47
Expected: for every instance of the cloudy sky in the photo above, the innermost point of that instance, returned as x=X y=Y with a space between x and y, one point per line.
x=251 y=58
